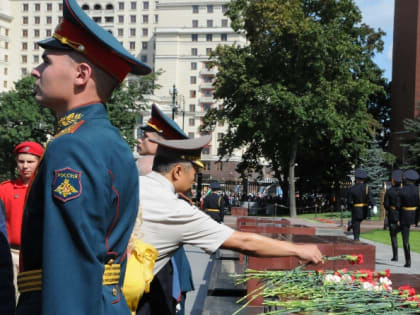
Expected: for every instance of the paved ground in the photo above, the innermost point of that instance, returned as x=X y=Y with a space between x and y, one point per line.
x=201 y=263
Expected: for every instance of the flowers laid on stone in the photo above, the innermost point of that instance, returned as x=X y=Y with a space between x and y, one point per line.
x=326 y=291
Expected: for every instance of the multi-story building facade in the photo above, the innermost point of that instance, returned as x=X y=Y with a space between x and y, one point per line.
x=174 y=36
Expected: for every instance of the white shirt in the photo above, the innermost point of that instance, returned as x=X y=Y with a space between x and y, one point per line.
x=169 y=222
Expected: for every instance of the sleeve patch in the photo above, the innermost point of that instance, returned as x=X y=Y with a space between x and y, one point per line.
x=67 y=184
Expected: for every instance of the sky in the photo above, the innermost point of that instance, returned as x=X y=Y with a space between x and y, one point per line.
x=380 y=14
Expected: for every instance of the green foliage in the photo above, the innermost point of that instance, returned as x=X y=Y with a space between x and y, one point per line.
x=298 y=91
x=412 y=143
x=374 y=162
x=382 y=236
x=21 y=119
x=127 y=101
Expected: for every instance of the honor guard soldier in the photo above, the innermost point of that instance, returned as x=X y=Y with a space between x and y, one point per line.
x=160 y=126
x=83 y=202
x=407 y=204
x=169 y=222
x=359 y=200
x=390 y=204
x=214 y=203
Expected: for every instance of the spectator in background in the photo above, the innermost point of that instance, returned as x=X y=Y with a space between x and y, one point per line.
x=13 y=193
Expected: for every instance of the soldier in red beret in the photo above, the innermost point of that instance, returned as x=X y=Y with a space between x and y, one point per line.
x=13 y=192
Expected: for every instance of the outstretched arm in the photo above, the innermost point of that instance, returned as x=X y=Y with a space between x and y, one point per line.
x=257 y=245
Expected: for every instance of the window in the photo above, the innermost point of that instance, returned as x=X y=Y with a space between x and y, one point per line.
x=5 y=84
x=48 y=33
x=144 y=58
x=208 y=51
x=97 y=19
x=207 y=79
x=156 y=19
x=49 y=6
x=194 y=37
x=37 y=7
x=205 y=107
x=60 y=7
x=24 y=59
x=25 y=7
x=49 y=20
x=195 y=8
x=145 y=19
x=193 y=94
x=25 y=20
x=36 y=46
x=5 y=71
x=97 y=7
x=206 y=151
x=144 y=45
x=193 y=79
x=7 y=32
x=191 y=122
x=193 y=66
x=24 y=46
x=209 y=23
x=219 y=166
x=120 y=19
x=224 y=23
x=132 y=45
x=224 y=8
x=192 y=107
x=145 y=5
x=219 y=136
x=60 y=19
x=120 y=5
x=6 y=58
x=85 y=7
x=24 y=33
x=109 y=7
x=209 y=8
x=24 y=71
x=36 y=59
x=209 y=37
x=145 y=32
x=223 y=37
x=6 y=46
x=195 y=23
x=132 y=32
x=36 y=33
x=133 y=5
x=109 y=19
x=120 y=32
x=191 y=135
x=194 y=52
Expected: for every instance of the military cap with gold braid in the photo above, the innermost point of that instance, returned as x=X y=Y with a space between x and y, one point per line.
x=188 y=150
x=163 y=125
x=80 y=33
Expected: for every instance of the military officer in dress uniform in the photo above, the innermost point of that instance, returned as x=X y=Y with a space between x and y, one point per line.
x=169 y=222
x=359 y=201
x=83 y=202
x=390 y=204
x=214 y=203
x=407 y=204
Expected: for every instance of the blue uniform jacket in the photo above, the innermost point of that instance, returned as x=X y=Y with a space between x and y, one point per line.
x=79 y=213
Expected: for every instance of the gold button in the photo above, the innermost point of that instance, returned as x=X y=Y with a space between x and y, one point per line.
x=114 y=292
x=110 y=261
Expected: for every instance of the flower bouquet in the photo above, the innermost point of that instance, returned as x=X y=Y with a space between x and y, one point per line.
x=330 y=292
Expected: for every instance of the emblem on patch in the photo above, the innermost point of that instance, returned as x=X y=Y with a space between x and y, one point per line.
x=67 y=184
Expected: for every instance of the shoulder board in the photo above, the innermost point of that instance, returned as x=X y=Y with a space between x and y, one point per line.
x=70 y=129
x=5 y=182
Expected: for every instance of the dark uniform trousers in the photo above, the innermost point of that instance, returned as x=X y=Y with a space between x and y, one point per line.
x=359 y=197
x=7 y=291
x=390 y=204
x=408 y=201
x=159 y=300
x=213 y=205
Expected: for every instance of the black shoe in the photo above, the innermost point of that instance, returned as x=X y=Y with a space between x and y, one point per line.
x=407 y=265
x=394 y=259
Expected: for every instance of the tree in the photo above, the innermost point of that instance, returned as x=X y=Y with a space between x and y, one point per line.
x=412 y=143
x=21 y=119
x=128 y=100
x=300 y=87
x=376 y=163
